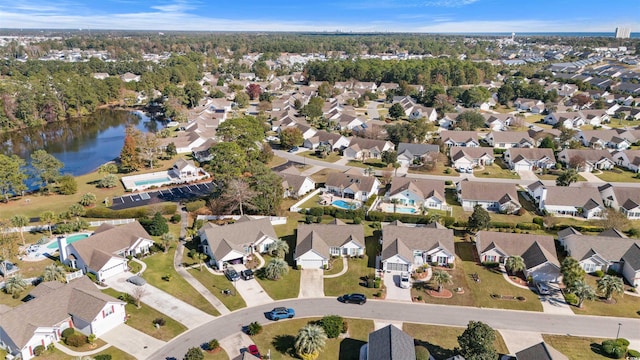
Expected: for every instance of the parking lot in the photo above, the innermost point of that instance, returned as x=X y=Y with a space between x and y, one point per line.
x=176 y=194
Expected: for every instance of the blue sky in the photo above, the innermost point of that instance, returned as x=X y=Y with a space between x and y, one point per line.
x=326 y=15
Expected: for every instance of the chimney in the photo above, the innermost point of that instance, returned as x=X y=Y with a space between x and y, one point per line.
x=62 y=246
x=543 y=198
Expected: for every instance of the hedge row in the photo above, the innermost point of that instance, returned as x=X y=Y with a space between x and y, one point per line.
x=581 y=228
x=137 y=212
x=337 y=213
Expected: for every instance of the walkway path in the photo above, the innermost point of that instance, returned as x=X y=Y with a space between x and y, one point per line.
x=551 y=304
x=345 y=267
x=132 y=341
x=311 y=283
x=591 y=178
x=68 y=351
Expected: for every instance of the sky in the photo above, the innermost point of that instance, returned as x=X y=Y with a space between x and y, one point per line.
x=430 y=16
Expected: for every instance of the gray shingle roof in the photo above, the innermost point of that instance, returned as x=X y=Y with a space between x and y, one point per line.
x=611 y=249
x=322 y=237
x=403 y=240
x=632 y=257
x=534 y=249
x=540 y=351
x=236 y=236
x=390 y=343
x=488 y=191
x=421 y=187
x=585 y=197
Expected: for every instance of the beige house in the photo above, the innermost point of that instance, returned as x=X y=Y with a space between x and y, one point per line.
x=406 y=247
x=317 y=243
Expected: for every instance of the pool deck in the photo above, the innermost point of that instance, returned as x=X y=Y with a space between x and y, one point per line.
x=41 y=252
x=129 y=182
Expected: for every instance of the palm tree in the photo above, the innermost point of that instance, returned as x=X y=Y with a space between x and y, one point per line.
x=76 y=210
x=88 y=199
x=440 y=278
x=279 y=248
x=201 y=258
x=583 y=291
x=20 y=221
x=310 y=341
x=396 y=166
x=54 y=272
x=167 y=239
x=15 y=285
x=609 y=285
x=515 y=264
x=48 y=217
x=276 y=268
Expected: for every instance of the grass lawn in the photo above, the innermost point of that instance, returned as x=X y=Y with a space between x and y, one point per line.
x=276 y=161
x=331 y=157
x=553 y=175
x=161 y=264
x=576 y=348
x=438 y=169
x=442 y=340
x=217 y=283
x=335 y=266
x=320 y=177
x=86 y=347
x=377 y=164
x=6 y=299
x=279 y=337
x=115 y=353
x=496 y=171
x=618 y=175
x=313 y=202
x=353 y=279
x=219 y=355
x=142 y=319
x=285 y=288
x=625 y=306
x=458 y=279
x=492 y=282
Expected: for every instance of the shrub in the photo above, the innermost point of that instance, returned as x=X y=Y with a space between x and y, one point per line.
x=370 y=201
x=610 y=271
x=316 y=211
x=449 y=221
x=159 y=321
x=38 y=350
x=633 y=353
x=192 y=206
x=490 y=264
x=571 y=299
x=357 y=220
x=137 y=212
x=622 y=342
x=102 y=357
x=422 y=353
x=539 y=221
x=175 y=218
x=345 y=327
x=527 y=226
x=76 y=340
x=420 y=297
x=213 y=344
x=448 y=182
x=254 y=328
x=167 y=277
x=67 y=332
x=194 y=353
x=613 y=349
x=308 y=219
x=598 y=273
x=332 y=325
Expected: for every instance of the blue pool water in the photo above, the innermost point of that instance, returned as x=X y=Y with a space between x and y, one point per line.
x=405 y=210
x=344 y=205
x=70 y=239
x=151 y=181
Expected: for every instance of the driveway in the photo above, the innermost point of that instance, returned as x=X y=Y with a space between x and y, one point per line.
x=236 y=344
x=395 y=292
x=519 y=340
x=554 y=303
x=311 y=283
x=169 y=305
x=528 y=175
x=590 y=177
x=250 y=290
x=132 y=341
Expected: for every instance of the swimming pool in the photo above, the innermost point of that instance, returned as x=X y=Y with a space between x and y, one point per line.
x=341 y=204
x=406 y=210
x=70 y=239
x=152 y=181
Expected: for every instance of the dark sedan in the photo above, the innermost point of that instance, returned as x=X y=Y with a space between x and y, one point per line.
x=353 y=299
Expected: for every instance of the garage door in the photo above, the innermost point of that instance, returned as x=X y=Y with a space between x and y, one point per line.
x=397 y=267
x=311 y=264
x=519 y=167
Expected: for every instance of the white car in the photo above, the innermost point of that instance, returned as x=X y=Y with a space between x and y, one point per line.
x=405 y=282
x=543 y=288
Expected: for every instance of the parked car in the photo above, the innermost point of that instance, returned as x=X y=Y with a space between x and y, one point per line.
x=405 y=282
x=253 y=350
x=232 y=274
x=353 y=299
x=543 y=288
x=294 y=149
x=247 y=274
x=281 y=313
x=137 y=280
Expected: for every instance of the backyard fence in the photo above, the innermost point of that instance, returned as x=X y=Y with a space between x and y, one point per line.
x=275 y=220
x=296 y=207
x=74 y=275
x=111 y=222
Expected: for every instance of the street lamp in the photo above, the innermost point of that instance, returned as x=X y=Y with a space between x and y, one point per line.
x=618 y=334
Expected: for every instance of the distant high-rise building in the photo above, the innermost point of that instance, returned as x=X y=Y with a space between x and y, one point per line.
x=623 y=32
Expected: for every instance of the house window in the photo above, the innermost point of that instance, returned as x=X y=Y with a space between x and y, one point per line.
x=589 y=268
x=442 y=260
x=108 y=311
x=335 y=251
x=490 y=258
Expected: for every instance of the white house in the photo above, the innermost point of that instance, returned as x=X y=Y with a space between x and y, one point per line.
x=406 y=247
x=296 y=185
x=509 y=139
x=532 y=105
x=352 y=184
x=529 y=159
x=586 y=160
x=568 y=201
x=362 y=149
x=629 y=159
x=465 y=158
x=491 y=196
x=317 y=243
x=105 y=252
x=498 y=122
x=234 y=243
x=410 y=153
x=624 y=199
x=460 y=138
x=418 y=193
x=321 y=137
x=55 y=307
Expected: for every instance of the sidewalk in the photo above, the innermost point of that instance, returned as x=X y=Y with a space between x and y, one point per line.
x=345 y=267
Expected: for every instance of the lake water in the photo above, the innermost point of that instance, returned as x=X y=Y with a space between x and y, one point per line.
x=81 y=144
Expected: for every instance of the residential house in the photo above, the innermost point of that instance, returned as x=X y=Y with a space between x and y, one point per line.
x=418 y=193
x=105 y=252
x=571 y=120
x=362 y=149
x=383 y=87
x=352 y=184
x=606 y=139
x=388 y=343
x=129 y=77
x=8 y=269
x=540 y=351
x=419 y=112
x=203 y=152
x=605 y=253
x=306 y=130
x=415 y=153
x=317 y=243
x=460 y=138
x=586 y=160
x=185 y=169
x=509 y=139
x=404 y=248
x=532 y=105
x=294 y=184
x=492 y=196
x=537 y=251
x=366 y=85
x=53 y=308
x=348 y=122
x=583 y=201
x=498 y=122
x=448 y=120
x=334 y=140
x=529 y=159
x=629 y=159
x=234 y=243
x=464 y=158
x=624 y=199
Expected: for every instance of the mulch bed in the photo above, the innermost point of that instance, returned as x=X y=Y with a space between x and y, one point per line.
x=518 y=280
x=444 y=294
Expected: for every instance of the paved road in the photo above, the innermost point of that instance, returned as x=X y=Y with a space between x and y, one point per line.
x=372 y=110
x=386 y=311
x=524 y=182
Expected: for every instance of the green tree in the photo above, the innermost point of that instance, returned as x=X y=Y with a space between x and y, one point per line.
x=108 y=168
x=171 y=150
x=76 y=210
x=332 y=325
x=279 y=248
x=583 y=291
x=290 y=137
x=54 y=272
x=88 y=199
x=109 y=181
x=547 y=143
x=476 y=342
x=440 y=277
x=310 y=341
x=158 y=225
x=15 y=285
x=479 y=219
x=242 y=100
x=200 y=257
x=46 y=167
x=571 y=271
x=506 y=94
x=129 y=157
x=228 y=161
x=67 y=185
x=313 y=110
x=194 y=353
x=193 y=92
x=396 y=111
x=12 y=175
x=609 y=285
x=167 y=239
x=567 y=177
x=515 y=264
x=275 y=269
x=470 y=120
x=20 y=221
x=48 y=217
x=389 y=157
x=247 y=131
